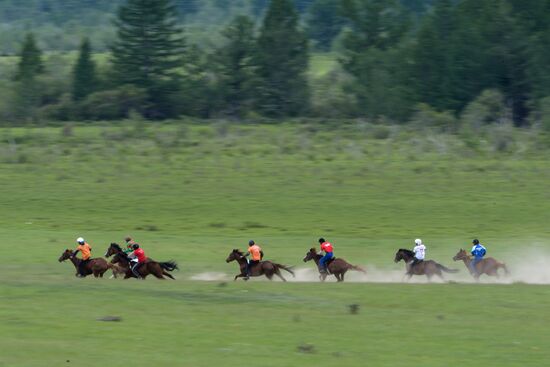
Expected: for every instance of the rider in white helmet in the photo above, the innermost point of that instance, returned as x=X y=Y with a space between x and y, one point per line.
x=419 y=252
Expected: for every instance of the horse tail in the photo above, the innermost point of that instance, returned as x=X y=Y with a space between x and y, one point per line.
x=503 y=266
x=446 y=269
x=284 y=267
x=358 y=268
x=169 y=265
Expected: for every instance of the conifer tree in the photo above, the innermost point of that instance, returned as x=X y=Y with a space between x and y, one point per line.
x=30 y=63
x=84 y=73
x=282 y=60
x=148 y=52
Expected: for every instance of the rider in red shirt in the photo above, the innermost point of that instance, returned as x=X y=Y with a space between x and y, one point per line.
x=139 y=254
x=326 y=247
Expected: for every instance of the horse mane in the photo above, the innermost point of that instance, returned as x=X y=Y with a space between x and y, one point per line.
x=236 y=250
x=116 y=246
x=407 y=251
x=313 y=250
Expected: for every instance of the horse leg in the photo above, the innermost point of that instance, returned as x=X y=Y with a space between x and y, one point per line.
x=342 y=276
x=278 y=273
x=168 y=275
x=238 y=276
x=339 y=277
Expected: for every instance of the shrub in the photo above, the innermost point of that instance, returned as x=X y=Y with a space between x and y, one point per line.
x=113 y=104
x=426 y=116
x=487 y=108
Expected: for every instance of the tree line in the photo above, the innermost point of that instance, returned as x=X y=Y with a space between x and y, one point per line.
x=488 y=60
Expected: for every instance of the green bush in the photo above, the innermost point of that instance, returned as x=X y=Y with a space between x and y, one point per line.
x=113 y=104
x=487 y=108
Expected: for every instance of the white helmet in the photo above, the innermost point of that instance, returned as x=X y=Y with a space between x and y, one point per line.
x=418 y=241
x=80 y=240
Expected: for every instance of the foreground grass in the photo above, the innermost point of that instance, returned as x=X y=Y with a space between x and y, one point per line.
x=202 y=324
x=193 y=193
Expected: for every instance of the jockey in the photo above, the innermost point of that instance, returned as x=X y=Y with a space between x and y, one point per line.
x=129 y=244
x=478 y=251
x=419 y=252
x=326 y=247
x=86 y=251
x=257 y=255
x=139 y=255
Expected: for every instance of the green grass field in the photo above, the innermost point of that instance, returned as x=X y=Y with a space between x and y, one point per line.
x=193 y=193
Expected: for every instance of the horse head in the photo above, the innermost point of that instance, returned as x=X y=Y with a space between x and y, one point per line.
x=113 y=249
x=236 y=254
x=310 y=255
x=460 y=255
x=403 y=254
x=65 y=255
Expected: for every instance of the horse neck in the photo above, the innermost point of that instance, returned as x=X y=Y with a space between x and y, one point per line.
x=241 y=260
x=317 y=258
x=75 y=261
x=467 y=260
x=406 y=257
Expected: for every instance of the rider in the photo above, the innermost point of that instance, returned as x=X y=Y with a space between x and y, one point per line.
x=326 y=247
x=257 y=255
x=419 y=252
x=86 y=251
x=478 y=251
x=129 y=244
x=138 y=254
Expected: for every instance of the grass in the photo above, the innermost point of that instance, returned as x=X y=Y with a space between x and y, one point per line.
x=194 y=193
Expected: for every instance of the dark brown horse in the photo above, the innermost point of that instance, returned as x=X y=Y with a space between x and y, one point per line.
x=337 y=267
x=97 y=266
x=267 y=268
x=157 y=269
x=428 y=268
x=487 y=265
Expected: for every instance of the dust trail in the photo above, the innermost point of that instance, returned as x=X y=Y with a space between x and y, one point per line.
x=533 y=267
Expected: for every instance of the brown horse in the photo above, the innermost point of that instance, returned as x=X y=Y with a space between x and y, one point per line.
x=337 y=267
x=487 y=265
x=97 y=266
x=428 y=268
x=157 y=269
x=267 y=268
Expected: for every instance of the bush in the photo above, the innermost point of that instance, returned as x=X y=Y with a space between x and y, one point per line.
x=426 y=116
x=487 y=108
x=545 y=113
x=113 y=104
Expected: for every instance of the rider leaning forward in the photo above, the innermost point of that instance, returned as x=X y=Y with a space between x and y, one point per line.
x=137 y=258
x=86 y=251
x=257 y=255
x=328 y=250
x=419 y=252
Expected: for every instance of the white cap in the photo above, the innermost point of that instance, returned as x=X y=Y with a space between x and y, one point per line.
x=80 y=240
x=418 y=241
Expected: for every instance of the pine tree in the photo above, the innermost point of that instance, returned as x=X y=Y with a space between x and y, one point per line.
x=30 y=62
x=236 y=65
x=27 y=91
x=84 y=73
x=324 y=22
x=148 y=52
x=282 y=60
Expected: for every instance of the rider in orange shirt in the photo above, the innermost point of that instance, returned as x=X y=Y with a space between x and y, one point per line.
x=86 y=251
x=257 y=255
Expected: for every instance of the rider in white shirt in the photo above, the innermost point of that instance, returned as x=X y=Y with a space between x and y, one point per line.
x=419 y=252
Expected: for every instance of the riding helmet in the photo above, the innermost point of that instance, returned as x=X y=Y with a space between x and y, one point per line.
x=251 y=243
x=135 y=246
x=321 y=240
x=80 y=240
x=475 y=242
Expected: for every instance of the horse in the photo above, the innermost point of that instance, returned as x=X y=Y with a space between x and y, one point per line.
x=337 y=267
x=426 y=267
x=487 y=265
x=97 y=266
x=157 y=269
x=267 y=268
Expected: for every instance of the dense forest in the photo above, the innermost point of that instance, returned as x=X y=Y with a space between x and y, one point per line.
x=443 y=63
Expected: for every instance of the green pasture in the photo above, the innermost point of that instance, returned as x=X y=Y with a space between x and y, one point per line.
x=193 y=192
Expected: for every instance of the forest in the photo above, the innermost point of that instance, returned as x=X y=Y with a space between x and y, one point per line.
x=444 y=64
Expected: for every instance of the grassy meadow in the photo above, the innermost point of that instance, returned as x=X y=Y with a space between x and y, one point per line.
x=192 y=192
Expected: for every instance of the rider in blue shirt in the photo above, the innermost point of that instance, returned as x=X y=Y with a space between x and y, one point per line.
x=478 y=251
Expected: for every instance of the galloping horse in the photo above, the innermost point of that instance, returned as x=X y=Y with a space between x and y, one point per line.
x=267 y=268
x=487 y=265
x=426 y=267
x=337 y=267
x=158 y=269
x=97 y=266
